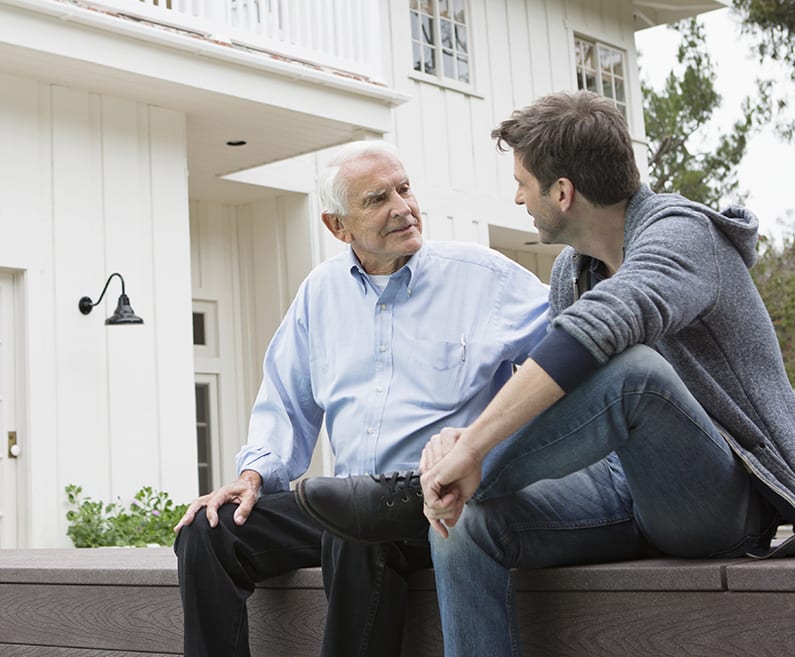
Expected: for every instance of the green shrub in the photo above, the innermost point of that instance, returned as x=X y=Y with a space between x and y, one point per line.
x=149 y=520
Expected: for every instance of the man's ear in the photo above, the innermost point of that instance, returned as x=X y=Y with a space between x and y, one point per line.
x=564 y=193
x=336 y=227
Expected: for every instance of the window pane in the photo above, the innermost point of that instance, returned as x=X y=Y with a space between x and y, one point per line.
x=618 y=65
x=449 y=64
x=607 y=88
x=463 y=68
x=415 y=26
x=429 y=57
x=413 y=4
x=444 y=9
x=201 y=444
x=587 y=56
x=427 y=6
x=590 y=81
x=199 y=335
x=417 y=54
x=202 y=403
x=609 y=59
x=427 y=29
x=203 y=437
x=204 y=481
x=620 y=92
x=460 y=11
x=447 y=34
x=461 y=38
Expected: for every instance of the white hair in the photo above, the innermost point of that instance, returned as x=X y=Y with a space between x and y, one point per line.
x=333 y=189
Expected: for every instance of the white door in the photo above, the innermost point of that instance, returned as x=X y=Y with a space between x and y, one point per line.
x=9 y=455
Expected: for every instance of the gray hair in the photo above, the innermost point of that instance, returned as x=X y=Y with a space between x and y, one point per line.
x=333 y=188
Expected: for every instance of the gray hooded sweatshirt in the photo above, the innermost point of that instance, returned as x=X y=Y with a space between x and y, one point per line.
x=684 y=289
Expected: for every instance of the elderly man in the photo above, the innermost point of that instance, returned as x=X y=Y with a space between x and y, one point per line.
x=386 y=343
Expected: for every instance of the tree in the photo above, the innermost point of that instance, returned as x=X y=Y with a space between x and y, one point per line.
x=774 y=275
x=676 y=116
x=771 y=24
x=680 y=159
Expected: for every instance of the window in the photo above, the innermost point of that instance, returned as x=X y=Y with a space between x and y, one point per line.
x=199 y=333
x=207 y=372
x=440 y=38
x=204 y=438
x=602 y=69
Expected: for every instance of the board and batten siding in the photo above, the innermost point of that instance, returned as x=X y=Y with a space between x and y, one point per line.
x=92 y=185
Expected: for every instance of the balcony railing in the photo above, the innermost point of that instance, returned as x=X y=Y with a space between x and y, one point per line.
x=338 y=34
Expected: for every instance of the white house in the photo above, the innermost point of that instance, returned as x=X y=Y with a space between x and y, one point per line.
x=176 y=143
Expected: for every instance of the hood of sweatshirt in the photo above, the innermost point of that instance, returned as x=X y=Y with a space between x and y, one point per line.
x=737 y=223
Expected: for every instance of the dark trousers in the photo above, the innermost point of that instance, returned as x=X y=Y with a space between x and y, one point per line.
x=218 y=568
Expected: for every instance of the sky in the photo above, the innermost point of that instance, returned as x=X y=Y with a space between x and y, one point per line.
x=767 y=171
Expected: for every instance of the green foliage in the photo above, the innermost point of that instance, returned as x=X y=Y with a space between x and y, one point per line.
x=150 y=519
x=770 y=24
x=676 y=115
x=774 y=275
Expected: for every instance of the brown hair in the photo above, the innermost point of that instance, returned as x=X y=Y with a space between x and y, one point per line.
x=580 y=136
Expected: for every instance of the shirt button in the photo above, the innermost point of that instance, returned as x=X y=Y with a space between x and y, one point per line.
x=370 y=430
x=379 y=388
x=383 y=306
x=382 y=348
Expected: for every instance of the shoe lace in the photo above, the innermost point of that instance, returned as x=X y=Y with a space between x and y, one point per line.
x=400 y=484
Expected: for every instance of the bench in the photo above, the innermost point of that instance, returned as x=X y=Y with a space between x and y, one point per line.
x=124 y=602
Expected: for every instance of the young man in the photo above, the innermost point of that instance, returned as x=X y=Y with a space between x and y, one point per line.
x=386 y=344
x=655 y=417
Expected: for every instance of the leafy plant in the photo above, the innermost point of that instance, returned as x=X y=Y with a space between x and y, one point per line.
x=774 y=275
x=148 y=520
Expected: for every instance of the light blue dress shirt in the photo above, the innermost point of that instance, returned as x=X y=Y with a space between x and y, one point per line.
x=388 y=369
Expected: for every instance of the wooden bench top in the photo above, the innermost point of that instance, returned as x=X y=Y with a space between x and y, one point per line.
x=157 y=567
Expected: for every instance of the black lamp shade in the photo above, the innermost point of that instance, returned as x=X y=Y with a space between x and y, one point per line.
x=124 y=314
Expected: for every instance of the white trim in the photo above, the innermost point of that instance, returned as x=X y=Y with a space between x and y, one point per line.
x=188 y=42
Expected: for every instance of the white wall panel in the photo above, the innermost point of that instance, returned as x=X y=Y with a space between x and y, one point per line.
x=132 y=398
x=79 y=268
x=460 y=136
x=171 y=292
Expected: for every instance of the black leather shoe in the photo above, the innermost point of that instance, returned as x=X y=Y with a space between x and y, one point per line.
x=366 y=508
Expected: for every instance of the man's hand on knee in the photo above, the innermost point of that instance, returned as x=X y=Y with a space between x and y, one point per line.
x=243 y=492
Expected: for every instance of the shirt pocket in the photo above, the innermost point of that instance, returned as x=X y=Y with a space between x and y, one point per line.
x=440 y=372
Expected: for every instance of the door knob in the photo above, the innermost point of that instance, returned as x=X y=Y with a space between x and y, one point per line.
x=13 y=449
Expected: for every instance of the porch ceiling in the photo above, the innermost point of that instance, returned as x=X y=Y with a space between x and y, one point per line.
x=649 y=13
x=279 y=108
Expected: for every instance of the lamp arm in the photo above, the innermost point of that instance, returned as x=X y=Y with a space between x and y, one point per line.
x=86 y=304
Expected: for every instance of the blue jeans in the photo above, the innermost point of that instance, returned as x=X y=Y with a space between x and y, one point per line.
x=627 y=465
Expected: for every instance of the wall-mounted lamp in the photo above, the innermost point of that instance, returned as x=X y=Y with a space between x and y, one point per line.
x=123 y=314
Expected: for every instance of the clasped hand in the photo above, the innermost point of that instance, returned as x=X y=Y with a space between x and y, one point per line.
x=451 y=473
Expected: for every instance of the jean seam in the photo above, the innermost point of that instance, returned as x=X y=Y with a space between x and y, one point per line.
x=572 y=525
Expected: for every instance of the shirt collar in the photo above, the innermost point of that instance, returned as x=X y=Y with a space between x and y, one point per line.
x=412 y=267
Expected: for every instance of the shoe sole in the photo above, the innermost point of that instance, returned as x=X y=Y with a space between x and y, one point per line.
x=306 y=507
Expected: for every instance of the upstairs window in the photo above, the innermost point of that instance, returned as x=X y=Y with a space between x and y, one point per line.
x=602 y=69
x=440 y=39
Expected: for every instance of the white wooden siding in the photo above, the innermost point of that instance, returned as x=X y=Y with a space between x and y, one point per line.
x=92 y=185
